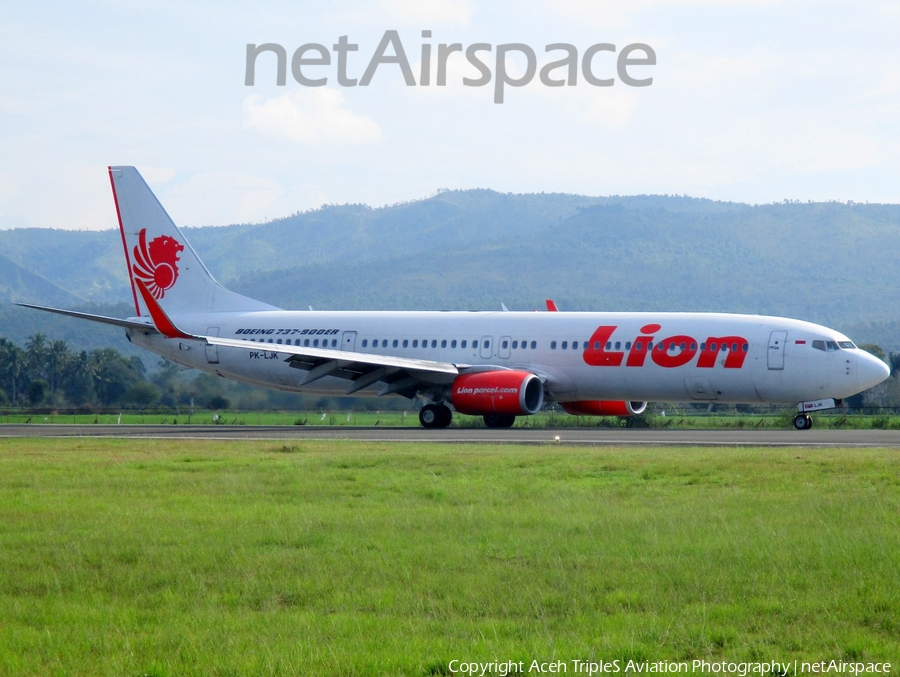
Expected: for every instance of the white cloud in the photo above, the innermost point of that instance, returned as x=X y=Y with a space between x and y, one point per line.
x=417 y=13
x=430 y=11
x=616 y=13
x=316 y=116
x=221 y=198
x=157 y=175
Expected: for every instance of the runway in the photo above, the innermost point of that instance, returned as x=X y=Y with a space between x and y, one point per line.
x=576 y=436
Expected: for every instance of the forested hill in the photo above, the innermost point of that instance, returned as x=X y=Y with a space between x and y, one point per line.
x=833 y=263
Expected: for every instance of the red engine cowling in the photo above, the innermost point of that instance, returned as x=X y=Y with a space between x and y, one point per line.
x=497 y=392
x=603 y=408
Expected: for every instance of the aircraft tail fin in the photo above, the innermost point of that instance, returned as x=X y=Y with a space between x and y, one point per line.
x=158 y=254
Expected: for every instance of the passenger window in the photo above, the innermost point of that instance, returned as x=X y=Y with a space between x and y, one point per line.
x=609 y=345
x=552 y=345
x=415 y=343
x=693 y=346
x=649 y=346
x=514 y=345
x=474 y=344
x=487 y=344
x=683 y=346
x=462 y=343
x=533 y=345
x=628 y=345
x=565 y=344
x=365 y=343
x=734 y=347
x=444 y=343
x=745 y=347
x=639 y=346
x=453 y=343
x=306 y=343
x=703 y=346
x=384 y=343
x=278 y=342
x=395 y=343
x=434 y=343
x=618 y=344
x=315 y=343
x=406 y=343
x=596 y=345
x=574 y=345
x=713 y=346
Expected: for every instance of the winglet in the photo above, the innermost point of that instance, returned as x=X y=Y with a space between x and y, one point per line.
x=160 y=320
x=551 y=306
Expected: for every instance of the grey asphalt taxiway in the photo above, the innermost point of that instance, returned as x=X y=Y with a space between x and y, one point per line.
x=579 y=436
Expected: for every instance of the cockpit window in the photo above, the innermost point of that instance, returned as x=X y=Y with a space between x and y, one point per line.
x=831 y=346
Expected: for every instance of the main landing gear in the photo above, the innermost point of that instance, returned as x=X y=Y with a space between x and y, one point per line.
x=802 y=422
x=499 y=420
x=435 y=416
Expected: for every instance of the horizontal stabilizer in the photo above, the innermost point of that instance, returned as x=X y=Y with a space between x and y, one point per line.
x=115 y=321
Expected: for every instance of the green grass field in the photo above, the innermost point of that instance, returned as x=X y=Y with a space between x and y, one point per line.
x=212 y=558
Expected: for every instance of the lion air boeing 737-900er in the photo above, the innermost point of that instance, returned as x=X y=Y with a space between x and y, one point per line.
x=498 y=365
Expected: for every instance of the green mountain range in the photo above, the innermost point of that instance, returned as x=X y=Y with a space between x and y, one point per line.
x=832 y=263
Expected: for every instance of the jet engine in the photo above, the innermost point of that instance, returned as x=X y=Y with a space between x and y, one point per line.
x=603 y=408
x=497 y=392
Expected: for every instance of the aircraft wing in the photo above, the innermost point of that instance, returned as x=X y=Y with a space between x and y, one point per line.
x=401 y=375
x=115 y=321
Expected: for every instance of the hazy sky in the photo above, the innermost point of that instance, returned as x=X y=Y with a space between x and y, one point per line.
x=751 y=100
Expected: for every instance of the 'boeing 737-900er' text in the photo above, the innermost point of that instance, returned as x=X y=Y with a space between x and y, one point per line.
x=498 y=365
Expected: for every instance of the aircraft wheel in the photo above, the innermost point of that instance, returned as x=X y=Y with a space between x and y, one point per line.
x=499 y=420
x=430 y=416
x=802 y=422
x=445 y=416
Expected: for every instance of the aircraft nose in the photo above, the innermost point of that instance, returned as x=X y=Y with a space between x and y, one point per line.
x=870 y=371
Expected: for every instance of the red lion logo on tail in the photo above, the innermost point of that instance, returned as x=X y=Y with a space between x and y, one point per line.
x=157 y=265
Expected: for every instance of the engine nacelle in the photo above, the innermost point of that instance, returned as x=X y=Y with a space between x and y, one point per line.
x=603 y=408
x=497 y=392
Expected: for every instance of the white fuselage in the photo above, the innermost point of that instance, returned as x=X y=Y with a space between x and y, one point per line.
x=580 y=356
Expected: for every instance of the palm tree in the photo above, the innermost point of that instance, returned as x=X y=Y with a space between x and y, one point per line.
x=57 y=357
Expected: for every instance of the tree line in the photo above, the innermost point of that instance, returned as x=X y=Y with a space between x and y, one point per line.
x=48 y=373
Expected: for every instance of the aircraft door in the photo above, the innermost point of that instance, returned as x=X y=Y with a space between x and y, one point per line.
x=348 y=341
x=503 y=348
x=777 y=339
x=486 y=347
x=212 y=352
